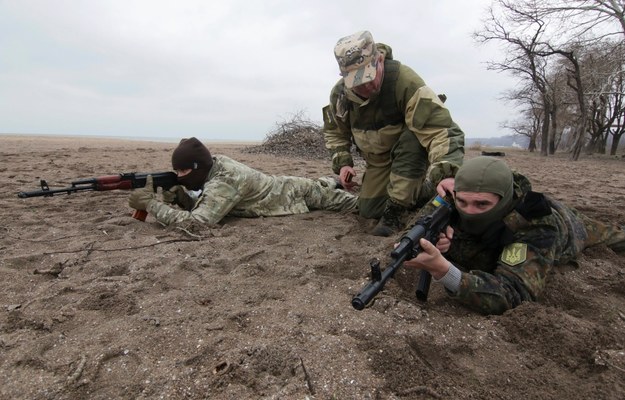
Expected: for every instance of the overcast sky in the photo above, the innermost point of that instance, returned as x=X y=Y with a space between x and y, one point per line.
x=223 y=70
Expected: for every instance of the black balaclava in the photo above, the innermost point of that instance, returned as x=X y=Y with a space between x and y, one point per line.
x=485 y=174
x=192 y=154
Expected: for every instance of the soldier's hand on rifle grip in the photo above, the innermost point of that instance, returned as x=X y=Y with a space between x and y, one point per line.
x=139 y=199
x=171 y=196
x=430 y=260
x=444 y=240
x=179 y=196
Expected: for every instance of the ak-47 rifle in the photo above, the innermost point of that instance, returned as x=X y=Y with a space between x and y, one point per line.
x=428 y=227
x=124 y=181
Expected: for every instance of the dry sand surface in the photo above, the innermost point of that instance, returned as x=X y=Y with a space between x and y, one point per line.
x=97 y=305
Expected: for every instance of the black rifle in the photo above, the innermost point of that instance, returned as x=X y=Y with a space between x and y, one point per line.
x=428 y=227
x=124 y=181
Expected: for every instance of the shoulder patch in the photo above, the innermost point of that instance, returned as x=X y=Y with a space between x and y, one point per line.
x=514 y=254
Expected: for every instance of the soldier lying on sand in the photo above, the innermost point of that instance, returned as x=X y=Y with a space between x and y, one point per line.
x=231 y=188
x=504 y=238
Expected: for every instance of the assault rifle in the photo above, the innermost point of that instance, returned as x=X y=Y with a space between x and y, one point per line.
x=428 y=227
x=124 y=181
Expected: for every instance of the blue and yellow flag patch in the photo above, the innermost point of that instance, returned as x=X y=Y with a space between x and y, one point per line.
x=514 y=254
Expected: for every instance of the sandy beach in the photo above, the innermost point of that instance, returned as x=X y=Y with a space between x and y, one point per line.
x=98 y=305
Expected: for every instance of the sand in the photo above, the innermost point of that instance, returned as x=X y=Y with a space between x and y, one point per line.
x=95 y=304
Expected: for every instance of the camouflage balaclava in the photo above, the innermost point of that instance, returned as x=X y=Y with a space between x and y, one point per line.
x=192 y=154
x=485 y=174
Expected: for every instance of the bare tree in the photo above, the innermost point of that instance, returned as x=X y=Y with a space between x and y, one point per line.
x=534 y=32
x=617 y=131
x=531 y=115
x=594 y=23
x=611 y=91
x=596 y=19
x=521 y=32
x=575 y=82
x=528 y=126
x=617 y=128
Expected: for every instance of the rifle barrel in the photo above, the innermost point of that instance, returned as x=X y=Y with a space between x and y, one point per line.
x=52 y=192
x=376 y=285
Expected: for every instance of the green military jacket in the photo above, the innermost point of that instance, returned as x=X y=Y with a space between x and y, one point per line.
x=233 y=188
x=404 y=102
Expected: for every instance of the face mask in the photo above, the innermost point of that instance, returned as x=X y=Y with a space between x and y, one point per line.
x=194 y=180
x=192 y=154
x=477 y=224
x=485 y=174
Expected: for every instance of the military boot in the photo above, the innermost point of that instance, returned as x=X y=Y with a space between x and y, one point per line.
x=616 y=240
x=391 y=221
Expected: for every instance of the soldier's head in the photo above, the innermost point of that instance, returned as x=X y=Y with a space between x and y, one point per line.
x=484 y=193
x=361 y=63
x=192 y=161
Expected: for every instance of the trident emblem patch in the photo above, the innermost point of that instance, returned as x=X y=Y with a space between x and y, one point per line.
x=514 y=254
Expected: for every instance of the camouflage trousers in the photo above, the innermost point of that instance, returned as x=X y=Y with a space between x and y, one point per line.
x=398 y=175
x=585 y=232
x=322 y=194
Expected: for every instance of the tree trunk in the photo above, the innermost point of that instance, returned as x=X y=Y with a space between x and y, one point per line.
x=592 y=145
x=532 y=145
x=616 y=139
x=544 y=135
x=579 y=90
x=602 y=144
x=579 y=143
x=554 y=129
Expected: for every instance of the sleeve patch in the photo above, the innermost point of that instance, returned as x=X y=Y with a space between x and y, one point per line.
x=514 y=254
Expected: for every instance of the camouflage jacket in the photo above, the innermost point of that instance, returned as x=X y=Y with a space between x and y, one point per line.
x=233 y=188
x=403 y=103
x=510 y=263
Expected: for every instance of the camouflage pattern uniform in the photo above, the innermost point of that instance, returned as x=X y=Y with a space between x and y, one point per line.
x=510 y=264
x=405 y=134
x=233 y=188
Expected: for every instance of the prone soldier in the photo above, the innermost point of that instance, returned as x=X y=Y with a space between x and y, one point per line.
x=504 y=238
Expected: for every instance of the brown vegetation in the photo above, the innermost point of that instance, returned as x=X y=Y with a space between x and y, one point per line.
x=297 y=137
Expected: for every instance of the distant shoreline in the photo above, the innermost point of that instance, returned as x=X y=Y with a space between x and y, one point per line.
x=123 y=138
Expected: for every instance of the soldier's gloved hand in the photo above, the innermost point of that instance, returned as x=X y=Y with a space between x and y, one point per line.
x=170 y=196
x=179 y=196
x=140 y=198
